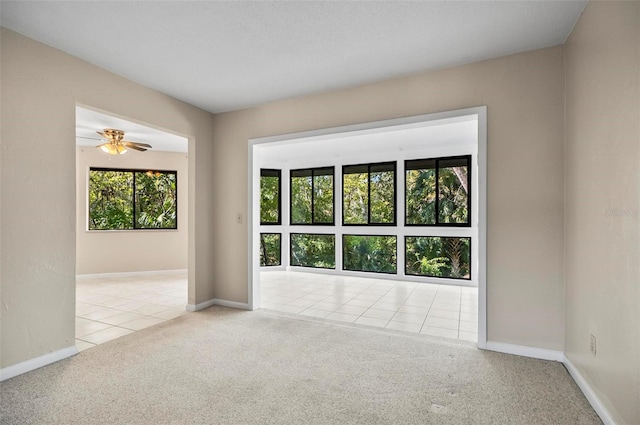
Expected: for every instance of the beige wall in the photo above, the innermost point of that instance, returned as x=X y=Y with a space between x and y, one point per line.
x=524 y=96
x=602 y=203
x=130 y=251
x=40 y=89
x=528 y=164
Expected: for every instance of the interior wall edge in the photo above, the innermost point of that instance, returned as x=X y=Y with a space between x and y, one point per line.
x=37 y=362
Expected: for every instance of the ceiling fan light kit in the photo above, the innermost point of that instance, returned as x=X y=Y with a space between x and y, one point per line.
x=116 y=145
x=113 y=149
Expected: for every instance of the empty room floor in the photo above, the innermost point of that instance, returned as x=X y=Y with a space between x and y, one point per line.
x=437 y=310
x=110 y=307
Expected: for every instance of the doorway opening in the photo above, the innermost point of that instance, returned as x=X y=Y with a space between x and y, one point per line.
x=374 y=255
x=131 y=227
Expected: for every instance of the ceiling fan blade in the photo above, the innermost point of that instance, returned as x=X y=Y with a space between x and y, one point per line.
x=88 y=138
x=130 y=146
x=102 y=134
x=144 y=145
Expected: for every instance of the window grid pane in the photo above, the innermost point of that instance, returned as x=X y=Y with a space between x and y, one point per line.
x=421 y=196
x=313 y=250
x=270 y=198
x=312 y=196
x=369 y=253
x=110 y=200
x=270 y=252
x=155 y=200
x=382 y=197
x=368 y=194
x=356 y=198
x=323 y=199
x=448 y=257
x=452 y=194
x=436 y=192
x=301 y=199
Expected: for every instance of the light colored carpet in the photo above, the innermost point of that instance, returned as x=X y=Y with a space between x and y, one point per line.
x=224 y=366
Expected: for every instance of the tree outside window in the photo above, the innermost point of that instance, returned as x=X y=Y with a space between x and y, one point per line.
x=369 y=253
x=313 y=250
x=270 y=249
x=270 y=199
x=312 y=196
x=132 y=199
x=437 y=192
x=368 y=194
x=448 y=257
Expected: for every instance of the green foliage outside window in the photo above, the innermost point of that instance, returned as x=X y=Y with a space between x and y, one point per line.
x=311 y=250
x=438 y=256
x=437 y=193
x=355 y=192
x=382 y=197
x=126 y=200
x=270 y=249
x=269 y=196
x=453 y=181
x=368 y=193
x=323 y=198
x=110 y=200
x=421 y=196
x=449 y=177
x=369 y=253
x=312 y=196
x=301 y=189
x=155 y=201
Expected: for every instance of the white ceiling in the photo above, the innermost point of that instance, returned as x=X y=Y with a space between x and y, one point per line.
x=451 y=133
x=89 y=121
x=227 y=55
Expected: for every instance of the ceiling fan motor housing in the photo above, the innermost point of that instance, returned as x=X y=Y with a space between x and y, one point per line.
x=113 y=134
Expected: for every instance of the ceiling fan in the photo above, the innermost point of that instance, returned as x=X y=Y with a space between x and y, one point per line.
x=116 y=145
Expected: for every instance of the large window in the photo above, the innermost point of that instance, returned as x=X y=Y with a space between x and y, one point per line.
x=368 y=194
x=313 y=250
x=438 y=256
x=270 y=199
x=369 y=253
x=270 y=249
x=132 y=199
x=312 y=196
x=437 y=192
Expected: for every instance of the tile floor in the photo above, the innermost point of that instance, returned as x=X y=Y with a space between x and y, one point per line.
x=437 y=310
x=108 y=308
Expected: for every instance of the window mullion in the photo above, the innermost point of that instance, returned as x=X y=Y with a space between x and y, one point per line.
x=313 y=196
x=368 y=194
x=134 y=201
x=437 y=209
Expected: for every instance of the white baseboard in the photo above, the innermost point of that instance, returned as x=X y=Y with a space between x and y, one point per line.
x=588 y=392
x=218 y=301
x=558 y=356
x=128 y=274
x=231 y=304
x=201 y=306
x=32 y=364
x=522 y=350
x=272 y=269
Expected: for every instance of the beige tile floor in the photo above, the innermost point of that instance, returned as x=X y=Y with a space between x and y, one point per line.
x=110 y=307
x=437 y=310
